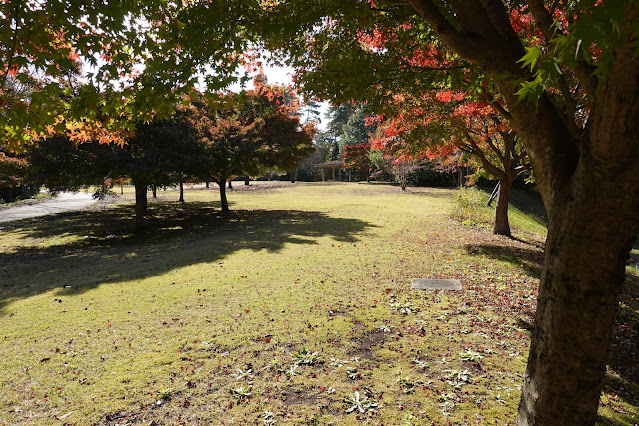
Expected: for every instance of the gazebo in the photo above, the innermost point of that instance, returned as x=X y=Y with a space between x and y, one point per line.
x=335 y=164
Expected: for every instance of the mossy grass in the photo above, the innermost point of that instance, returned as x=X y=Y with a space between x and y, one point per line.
x=295 y=308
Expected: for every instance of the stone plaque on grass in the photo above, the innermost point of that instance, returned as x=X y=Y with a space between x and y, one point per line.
x=435 y=284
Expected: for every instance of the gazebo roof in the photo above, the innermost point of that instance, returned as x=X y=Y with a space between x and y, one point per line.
x=335 y=164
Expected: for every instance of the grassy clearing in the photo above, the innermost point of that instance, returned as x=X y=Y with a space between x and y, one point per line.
x=294 y=309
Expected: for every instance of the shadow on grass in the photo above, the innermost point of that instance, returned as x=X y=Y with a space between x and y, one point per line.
x=107 y=247
x=529 y=259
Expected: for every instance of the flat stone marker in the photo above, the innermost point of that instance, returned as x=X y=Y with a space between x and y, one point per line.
x=435 y=284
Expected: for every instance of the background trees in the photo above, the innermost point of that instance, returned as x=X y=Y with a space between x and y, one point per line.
x=260 y=132
x=248 y=135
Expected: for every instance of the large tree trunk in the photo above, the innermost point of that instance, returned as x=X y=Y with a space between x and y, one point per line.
x=501 y=225
x=593 y=220
x=223 y=200
x=140 y=200
x=589 y=238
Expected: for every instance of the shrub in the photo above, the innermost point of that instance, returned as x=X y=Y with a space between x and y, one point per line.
x=470 y=208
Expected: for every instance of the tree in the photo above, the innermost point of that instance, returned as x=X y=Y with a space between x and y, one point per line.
x=160 y=153
x=358 y=157
x=258 y=131
x=575 y=106
x=43 y=42
x=357 y=130
x=12 y=172
x=311 y=111
x=445 y=122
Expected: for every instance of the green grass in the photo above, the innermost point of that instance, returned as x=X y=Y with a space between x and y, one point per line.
x=295 y=308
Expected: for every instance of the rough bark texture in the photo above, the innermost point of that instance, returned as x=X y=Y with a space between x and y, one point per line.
x=223 y=200
x=140 y=200
x=593 y=222
x=501 y=225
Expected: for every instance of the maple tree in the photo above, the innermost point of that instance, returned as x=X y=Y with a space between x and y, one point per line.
x=568 y=74
x=136 y=58
x=12 y=173
x=445 y=122
x=358 y=157
x=258 y=131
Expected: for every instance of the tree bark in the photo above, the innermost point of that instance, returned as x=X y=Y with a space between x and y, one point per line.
x=154 y=191
x=501 y=225
x=593 y=221
x=223 y=200
x=246 y=180
x=207 y=184
x=293 y=176
x=588 y=244
x=181 y=200
x=140 y=200
x=230 y=185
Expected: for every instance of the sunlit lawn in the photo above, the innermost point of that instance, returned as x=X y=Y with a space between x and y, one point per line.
x=294 y=309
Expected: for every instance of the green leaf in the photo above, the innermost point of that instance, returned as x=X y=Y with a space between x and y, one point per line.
x=530 y=90
x=530 y=59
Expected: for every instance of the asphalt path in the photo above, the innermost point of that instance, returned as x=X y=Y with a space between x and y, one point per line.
x=64 y=202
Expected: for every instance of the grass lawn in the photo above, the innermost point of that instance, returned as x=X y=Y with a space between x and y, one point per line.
x=296 y=308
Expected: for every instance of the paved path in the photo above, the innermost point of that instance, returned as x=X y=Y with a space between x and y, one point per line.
x=64 y=202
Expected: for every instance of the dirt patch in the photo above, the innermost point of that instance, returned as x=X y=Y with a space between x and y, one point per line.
x=374 y=338
x=298 y=396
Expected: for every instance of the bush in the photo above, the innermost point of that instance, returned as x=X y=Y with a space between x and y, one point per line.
x=470 y=208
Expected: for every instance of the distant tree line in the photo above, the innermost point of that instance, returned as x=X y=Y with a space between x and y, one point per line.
x=238 y=134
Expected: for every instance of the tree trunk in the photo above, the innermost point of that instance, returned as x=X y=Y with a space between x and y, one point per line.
x=154 y=190
x=140 y=200
x=230 y=185
x=589 y=238
x=208 y=184
x=293 y=176
x=181 y=200
x=223 y=200
x=501 y=225
x=246 y=180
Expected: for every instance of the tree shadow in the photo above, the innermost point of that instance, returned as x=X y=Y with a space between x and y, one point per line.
x=529 y=259
x=88 y=249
